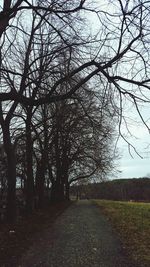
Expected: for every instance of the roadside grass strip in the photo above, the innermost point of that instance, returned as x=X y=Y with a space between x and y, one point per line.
x=132 y=222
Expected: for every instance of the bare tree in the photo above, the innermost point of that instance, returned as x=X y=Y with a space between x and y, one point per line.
x=83 y=144
x=116 y=52
x=119 y=47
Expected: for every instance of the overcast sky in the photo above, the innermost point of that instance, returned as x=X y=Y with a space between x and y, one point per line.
x=132 y=166
x=135 y=165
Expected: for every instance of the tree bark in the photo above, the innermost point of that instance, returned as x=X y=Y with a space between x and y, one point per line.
x=29 y=162
x=57 y=192
x=57 y=189
x=40 y=180
x=11 y=176
x=67 y=188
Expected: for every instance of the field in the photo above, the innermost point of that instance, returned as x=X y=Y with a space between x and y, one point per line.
x=132 y=222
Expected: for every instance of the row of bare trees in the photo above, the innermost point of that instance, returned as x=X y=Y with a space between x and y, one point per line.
x=50 y=53
x=67 y=141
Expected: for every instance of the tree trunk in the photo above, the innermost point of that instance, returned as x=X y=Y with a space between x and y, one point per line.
x=57 y=192
x=67 y=188
x=65 y=168
x=29 y=162
x=40 y=180
x=57 y=189
x=11 y=176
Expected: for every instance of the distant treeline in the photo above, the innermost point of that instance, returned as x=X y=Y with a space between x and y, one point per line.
x=120 y=189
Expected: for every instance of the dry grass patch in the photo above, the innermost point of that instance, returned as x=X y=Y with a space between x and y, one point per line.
x=132 y=222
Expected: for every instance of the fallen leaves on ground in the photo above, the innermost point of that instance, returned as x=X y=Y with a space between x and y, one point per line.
x=15 y=239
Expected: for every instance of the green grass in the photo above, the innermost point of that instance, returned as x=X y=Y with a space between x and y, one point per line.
x=132 y=222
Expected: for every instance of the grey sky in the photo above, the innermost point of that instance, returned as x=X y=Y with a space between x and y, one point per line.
x=131 y=167
x=135 y=166
x=135 y=132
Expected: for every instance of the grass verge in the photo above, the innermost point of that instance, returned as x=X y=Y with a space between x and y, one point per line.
x=132 y=222
x=16 y=239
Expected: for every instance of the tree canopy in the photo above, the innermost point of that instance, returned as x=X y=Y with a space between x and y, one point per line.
x=67 y=69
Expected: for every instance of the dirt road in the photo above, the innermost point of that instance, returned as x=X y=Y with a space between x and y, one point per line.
x=81 y=237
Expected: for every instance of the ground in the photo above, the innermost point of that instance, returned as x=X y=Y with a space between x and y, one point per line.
x=16 y=239
x=80 y=237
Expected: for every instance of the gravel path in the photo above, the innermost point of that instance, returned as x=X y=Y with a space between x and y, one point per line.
x=81 y=237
